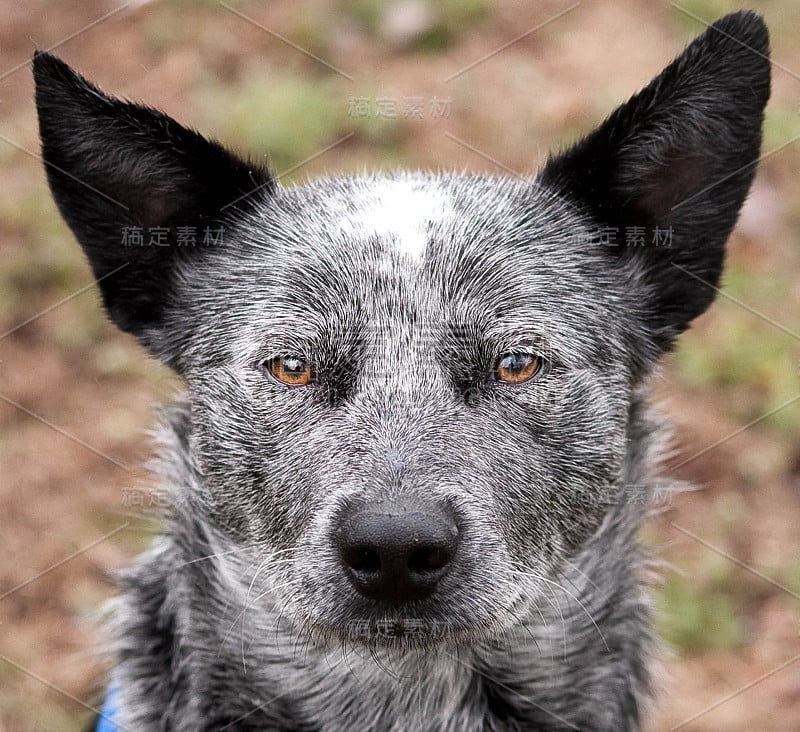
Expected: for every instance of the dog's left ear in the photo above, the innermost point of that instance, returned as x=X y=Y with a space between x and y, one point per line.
x=666 y=174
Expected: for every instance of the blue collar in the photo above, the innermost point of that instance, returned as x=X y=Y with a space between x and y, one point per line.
x=108 y=717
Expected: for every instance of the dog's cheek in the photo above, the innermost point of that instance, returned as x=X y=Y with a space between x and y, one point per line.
x=557 y=455
x=250 y=446
x=593 y=422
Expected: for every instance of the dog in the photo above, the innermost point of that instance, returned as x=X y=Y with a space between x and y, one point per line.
x=415 y=445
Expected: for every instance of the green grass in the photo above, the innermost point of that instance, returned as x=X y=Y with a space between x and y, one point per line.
x=781 y=124
x=706 y=604
x=283 y=119
x=700 y=608
x=280 y=117
x=708 y=10
x=752 y=361
x=48 y=264
x=694 y=619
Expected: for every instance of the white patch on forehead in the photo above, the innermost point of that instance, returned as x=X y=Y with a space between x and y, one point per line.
x=401 y=210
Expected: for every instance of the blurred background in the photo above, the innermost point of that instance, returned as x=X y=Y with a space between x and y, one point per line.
x=332 y=86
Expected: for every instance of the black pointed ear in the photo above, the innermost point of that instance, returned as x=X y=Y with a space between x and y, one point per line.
x=667 y=172
x=139 y=191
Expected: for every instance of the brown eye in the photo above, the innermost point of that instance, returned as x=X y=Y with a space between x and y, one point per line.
x=291 y=370
x=514 y=368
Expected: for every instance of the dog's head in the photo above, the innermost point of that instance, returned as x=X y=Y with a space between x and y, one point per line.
x=412 y=392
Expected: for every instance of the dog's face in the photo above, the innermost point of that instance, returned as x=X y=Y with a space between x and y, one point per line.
x=424 y=379
x=411 y=393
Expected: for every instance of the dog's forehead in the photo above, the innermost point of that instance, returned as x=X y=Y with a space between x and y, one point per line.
x=397 y=210
x=414 y=219
x=412 y=239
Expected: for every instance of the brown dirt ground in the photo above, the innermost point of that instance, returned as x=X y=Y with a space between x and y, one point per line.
x=73 y=412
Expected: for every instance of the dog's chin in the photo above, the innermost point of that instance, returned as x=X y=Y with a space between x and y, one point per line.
x=401 y=629
x=400 y=634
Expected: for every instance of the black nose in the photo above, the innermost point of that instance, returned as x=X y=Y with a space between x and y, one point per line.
x=397 y=551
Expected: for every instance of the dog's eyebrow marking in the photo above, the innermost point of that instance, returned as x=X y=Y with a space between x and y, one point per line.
x=401 y=209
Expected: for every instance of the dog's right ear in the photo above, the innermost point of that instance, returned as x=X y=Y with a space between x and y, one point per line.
x=117 y=169
x=678 y=158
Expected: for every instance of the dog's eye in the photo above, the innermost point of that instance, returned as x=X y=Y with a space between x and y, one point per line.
x=290 y=370
x=515 y=368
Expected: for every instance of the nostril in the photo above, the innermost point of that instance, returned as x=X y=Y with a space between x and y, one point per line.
x=362 y=559
x=429 y=559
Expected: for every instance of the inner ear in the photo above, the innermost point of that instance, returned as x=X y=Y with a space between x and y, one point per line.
x=670 y=181
x=149 y=203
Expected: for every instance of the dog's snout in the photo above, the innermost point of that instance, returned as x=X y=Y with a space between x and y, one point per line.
x=397 y=551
